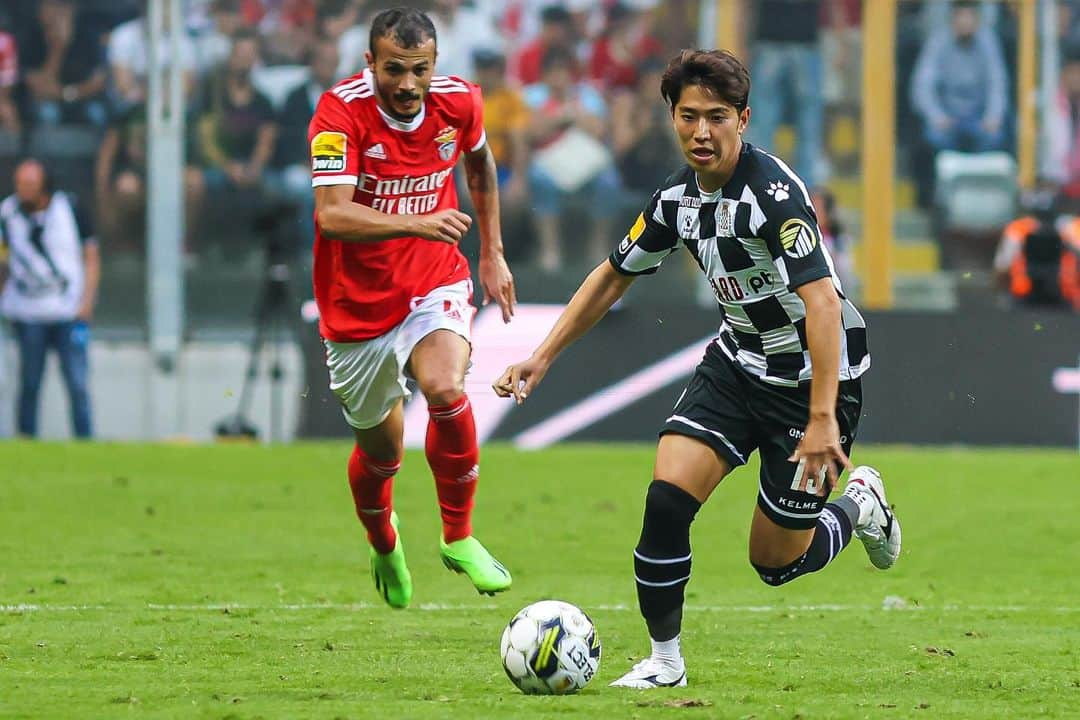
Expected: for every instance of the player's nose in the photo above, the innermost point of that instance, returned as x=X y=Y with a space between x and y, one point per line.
x=701 y=132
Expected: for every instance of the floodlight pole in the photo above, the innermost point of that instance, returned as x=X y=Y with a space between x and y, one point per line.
x=165 y=214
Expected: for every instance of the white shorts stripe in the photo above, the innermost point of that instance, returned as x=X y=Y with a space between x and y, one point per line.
x=698 y=426
x=785 y=513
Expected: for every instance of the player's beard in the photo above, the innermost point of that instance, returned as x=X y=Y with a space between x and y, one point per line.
x=396 y=114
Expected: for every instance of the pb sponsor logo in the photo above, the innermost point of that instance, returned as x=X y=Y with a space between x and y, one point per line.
x=798 y=238
x=328 y=152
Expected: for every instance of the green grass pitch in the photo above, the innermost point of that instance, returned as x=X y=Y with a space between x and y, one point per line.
x=232 y=582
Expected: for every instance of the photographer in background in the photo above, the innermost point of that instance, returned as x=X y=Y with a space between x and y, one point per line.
x=1038 y=260
x=49 y=296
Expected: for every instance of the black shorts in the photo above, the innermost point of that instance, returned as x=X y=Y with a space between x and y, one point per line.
x=735 y=413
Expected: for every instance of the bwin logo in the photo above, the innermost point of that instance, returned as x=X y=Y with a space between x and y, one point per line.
x=757 y=282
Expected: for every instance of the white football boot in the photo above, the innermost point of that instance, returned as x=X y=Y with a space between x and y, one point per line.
x=878 y=527
x=653 y=673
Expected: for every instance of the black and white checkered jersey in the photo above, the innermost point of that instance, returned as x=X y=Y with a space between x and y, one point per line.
x=756 y=239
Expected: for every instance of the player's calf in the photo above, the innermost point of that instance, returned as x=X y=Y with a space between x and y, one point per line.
x=832 y=533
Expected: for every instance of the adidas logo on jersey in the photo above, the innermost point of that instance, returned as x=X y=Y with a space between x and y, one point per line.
x=376 y=151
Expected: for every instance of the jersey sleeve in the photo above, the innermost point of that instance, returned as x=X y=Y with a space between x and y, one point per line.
x=647 y=243
x=83 y=222
x=334 y=142
x=791 y=231
x=474 y=136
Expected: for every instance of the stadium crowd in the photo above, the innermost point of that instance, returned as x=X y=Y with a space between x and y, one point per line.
x=570 y=79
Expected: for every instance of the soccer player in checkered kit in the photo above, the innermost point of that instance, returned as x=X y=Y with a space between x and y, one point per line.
x=393 y=288
x=782 y=376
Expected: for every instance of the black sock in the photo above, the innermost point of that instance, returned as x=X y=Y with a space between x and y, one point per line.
x=662 y=557
x=831 y=535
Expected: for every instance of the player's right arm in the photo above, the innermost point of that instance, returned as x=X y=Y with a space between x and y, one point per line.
x=335 y=142
x=340 y=218
x=645 y=246
x=593 y=299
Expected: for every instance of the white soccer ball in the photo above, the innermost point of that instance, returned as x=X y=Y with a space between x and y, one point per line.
x=550 y=648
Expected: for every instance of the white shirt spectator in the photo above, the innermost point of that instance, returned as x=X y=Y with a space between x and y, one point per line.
x=45 y=260
x=470 y=30
x=129 y=47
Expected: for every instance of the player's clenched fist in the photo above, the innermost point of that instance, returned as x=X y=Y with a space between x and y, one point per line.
x=447 y=226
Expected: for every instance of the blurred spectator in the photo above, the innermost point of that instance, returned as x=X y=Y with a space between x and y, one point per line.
x=64 y=66
x=841 y=45
x=120 y=183
x=236 y=127
x=960 y=85
x=9 y=75
x=213 y=44
x=462 y=29
x=835 y=238
x=129 y=53
x=645 y=147
x=556 y=32
x=289 y=30
x=567 y=124
x=50 y=295
x=292 y=181
x=506 y=120
x=788 y=74
x=625 y=43
x=1038 y=259
x=1061 y=159
x=336 y=22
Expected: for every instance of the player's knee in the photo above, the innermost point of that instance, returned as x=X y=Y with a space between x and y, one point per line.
x=777 y=576
x=442 y=390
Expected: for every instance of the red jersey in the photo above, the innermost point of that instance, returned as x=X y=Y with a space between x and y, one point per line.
x=363 y=290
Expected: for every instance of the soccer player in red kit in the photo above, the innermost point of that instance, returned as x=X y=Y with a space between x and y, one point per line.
x=393 y=289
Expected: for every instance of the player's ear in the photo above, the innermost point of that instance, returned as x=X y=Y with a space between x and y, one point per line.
x=744 y=119
x=370 y=59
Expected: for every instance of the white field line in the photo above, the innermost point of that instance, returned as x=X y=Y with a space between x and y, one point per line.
x=444 y=607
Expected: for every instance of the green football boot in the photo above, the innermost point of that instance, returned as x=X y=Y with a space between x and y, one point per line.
x=391 y=574
x=468 y=556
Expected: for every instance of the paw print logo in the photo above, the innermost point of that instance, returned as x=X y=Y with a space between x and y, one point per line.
x=779 y=191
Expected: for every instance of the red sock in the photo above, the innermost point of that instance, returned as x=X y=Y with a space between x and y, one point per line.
x=372 y=485
x=452 y=453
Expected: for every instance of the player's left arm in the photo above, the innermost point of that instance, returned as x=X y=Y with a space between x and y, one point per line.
x=820 y=446
x=794 y=240
x=496 y=281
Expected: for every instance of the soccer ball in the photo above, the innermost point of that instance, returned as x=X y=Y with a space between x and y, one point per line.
x=550 y=648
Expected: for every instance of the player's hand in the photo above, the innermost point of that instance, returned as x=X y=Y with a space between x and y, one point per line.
x=447 y=226
x=820 y=448
x=498 y=284
x=519 y=379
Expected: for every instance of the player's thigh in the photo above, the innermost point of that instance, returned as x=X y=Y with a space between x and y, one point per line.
x=789 y=502
x=690 y=464
x=709 y=431
x=434 y=341
x=367 y=379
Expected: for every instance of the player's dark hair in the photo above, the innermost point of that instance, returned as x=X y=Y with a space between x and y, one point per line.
x=407 y=27
x=965 y=5
x=555 y=14
x=718 y=71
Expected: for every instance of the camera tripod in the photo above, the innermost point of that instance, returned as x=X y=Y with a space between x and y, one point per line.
x=276 y=317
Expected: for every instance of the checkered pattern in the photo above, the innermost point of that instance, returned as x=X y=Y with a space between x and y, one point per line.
x=756 y=239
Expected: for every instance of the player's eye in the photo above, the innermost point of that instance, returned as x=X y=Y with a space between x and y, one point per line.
x=687 y=116
x=421 y=71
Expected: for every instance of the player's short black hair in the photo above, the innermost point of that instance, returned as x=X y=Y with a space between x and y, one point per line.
x=407 y=27
x=718 y=71
x=965 y=5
